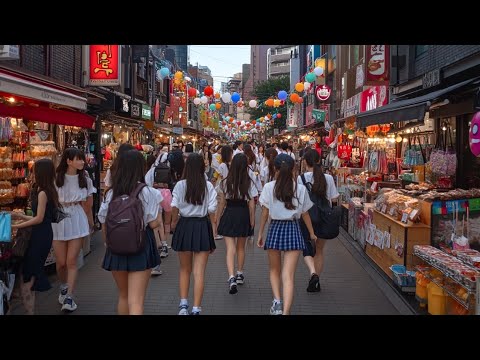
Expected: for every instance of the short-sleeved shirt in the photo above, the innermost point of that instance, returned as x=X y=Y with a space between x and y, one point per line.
x=277 y=209
x=252 y=190
x=150 y=198
x=189 y=210
x=332 y=192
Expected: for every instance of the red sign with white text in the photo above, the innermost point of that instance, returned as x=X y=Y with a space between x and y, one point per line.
x=104 y=65
x=373 y=98
x=377 y=62
x=323 y=92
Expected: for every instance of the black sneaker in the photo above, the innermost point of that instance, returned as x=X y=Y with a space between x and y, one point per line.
x=314 y=284
x=232 y=285
x=240 y=279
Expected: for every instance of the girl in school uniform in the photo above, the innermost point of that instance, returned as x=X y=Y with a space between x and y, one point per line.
x=267 y=173
x=237 y=193
x=132 y=272
x=285 y=202
x=227 y=155
x=195 y=199
x=74 y=189
x=322 y=185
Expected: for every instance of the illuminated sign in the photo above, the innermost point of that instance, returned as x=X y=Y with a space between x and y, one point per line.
x=103 y=65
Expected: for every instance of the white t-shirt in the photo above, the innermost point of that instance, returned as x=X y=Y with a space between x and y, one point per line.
x=277 y=209
x=223 y=170
x=150 y=198
x=216 y=158
x=332 y=192
x=189 y=210
x=255 y=176
x=264 y=174
x=252 y=190
x=237 y=151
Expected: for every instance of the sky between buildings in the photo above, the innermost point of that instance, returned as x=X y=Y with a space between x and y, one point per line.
x=223 y=60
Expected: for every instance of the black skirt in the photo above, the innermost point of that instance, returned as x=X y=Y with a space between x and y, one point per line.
x=235 y=221
x=147 y=259
x=193 y=234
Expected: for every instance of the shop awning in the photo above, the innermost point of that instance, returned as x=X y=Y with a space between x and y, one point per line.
x=405 y=110
x=48 y=115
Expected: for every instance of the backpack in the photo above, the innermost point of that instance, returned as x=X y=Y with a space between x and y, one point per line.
x=125 y=230
x=325 y=218
x=163 y=173
x=175 y=158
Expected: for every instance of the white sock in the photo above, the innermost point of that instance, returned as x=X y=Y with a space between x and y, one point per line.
x=183 y=302
x=196 y=309
x=239 y=272
x=231 y=276
x=277 y=301
x=164 y=243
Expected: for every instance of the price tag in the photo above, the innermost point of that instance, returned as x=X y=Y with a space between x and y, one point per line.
x=413 y=214
x=384 y=208
x=405 y=218
x=392 y=211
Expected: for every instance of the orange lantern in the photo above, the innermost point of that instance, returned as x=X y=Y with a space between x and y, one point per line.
x=299 y=87
x=294 y=97
x=300 y=100
x=218 y=106
x=269 y=102
x=217 y=95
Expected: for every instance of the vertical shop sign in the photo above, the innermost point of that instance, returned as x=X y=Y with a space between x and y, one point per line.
x=308 y=112
x=377 y=62
x=374 y=97
x=102 y=65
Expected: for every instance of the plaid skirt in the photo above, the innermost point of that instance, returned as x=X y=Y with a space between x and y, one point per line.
x=284 y=235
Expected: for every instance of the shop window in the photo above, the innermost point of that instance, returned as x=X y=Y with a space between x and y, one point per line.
x=420 y=50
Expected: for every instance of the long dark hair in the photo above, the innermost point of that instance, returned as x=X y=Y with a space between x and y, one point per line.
x=150 y=161
x=238 y=182
x=247 y=150
x=70 y=154
x=263 y=150
x=195 y=179
x=130 y=171
x=312 y=158
x=271 y=154
x=227 y=153
x=285 y=188
x=44 y=171
x=121 y=150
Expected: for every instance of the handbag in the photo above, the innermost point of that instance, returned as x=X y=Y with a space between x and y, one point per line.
x=59 y=215
x=5 y=227
x=21 y=241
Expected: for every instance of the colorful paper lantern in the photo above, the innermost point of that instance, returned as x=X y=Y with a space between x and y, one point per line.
x=299 y=87
x=208 y=91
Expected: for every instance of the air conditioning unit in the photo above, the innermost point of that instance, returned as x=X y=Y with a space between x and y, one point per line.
x=9 y=52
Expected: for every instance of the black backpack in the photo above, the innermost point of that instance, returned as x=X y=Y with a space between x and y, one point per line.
x=325 y=218
x=163 y=173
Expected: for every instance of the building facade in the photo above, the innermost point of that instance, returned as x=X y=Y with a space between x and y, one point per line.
x=278 y=60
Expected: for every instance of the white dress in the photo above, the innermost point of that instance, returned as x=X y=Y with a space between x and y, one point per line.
x=74 y=226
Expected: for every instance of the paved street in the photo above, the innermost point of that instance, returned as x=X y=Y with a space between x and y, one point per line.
x=349 y=286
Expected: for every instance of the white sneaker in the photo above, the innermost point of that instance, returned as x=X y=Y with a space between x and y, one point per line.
x=218 y=237
x=156 y=271
x=183 y=310
x=62 y=295
x=276 y=309
x=69 y=304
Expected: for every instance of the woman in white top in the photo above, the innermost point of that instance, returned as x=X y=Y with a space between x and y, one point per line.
x=285 y=202
x=260 y=156
x=195 y=199
x=267 y=173
x=323 y=185
x=121 y=150
x=132 y=272
x=237 y=194
x=74 y=189
x=227 y=155
x=253 y=171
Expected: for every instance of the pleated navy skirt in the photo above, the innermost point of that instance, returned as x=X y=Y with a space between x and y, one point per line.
x=193 y=234
x=235 y=221
x=284 y=235
x=147 y=259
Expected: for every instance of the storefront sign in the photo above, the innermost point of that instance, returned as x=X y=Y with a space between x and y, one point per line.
x=374 y=97
x=146 y=112
x=431 y=78
x=352 y=105
x=359 y=76
x=102 y=65
x=323 y=92
x=177 y=130
x=122 y=105
x=319 y=115
x=293 y=116
x=377 y=62
x=135 y=110
x=308 y=115
x=17 y=86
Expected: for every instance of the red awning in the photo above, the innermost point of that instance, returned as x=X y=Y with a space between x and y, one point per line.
x=48 y=115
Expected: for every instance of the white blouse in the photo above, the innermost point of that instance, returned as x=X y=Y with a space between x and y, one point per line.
x=264 y=174
x=189 y=210
x=252 y=190
x=150 y=198
x=332 y=192
x=223 y=170
x=71 y=192
x=277 y=209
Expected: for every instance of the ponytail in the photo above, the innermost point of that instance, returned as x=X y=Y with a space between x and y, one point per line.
x=312 y=158
x=285 y=187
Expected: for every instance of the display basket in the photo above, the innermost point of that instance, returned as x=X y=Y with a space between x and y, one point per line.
x=403 y=278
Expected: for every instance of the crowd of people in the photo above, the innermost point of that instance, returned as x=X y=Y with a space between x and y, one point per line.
x=209 y=195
